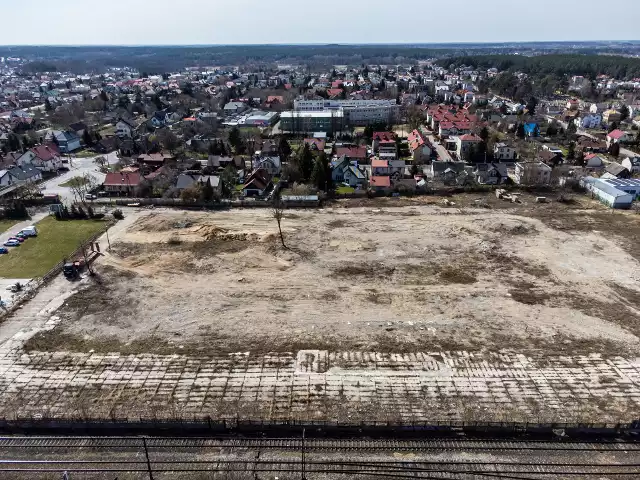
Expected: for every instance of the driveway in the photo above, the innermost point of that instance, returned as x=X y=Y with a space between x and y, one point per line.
x=77 y=168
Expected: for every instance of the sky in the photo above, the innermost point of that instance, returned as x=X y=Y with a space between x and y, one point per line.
x=189 y=22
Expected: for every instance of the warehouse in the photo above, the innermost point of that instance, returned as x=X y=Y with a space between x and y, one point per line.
x=628 y=185
x=608 y=193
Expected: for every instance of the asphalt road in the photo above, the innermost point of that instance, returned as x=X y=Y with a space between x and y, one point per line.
x=443 y=154
x=77 y=168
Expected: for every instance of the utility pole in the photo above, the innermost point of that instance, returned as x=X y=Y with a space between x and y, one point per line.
x=146 y=454
x=303 y=459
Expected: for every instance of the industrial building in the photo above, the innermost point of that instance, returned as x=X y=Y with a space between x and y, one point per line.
x=615 y=193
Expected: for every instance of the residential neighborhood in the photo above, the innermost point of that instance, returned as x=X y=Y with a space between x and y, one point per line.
x=233 y=128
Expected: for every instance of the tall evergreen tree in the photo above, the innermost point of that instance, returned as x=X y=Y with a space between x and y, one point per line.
x=305 y=163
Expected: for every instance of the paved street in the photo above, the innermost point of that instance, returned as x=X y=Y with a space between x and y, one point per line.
x=77 y=168
x=443 y=155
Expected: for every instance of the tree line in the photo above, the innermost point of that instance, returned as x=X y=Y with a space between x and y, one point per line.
x=589 y=66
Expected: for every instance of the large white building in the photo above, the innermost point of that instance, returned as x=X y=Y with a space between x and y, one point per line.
x=614 y=192
x=355 y=112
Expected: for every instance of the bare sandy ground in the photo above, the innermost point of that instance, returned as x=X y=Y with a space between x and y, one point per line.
x=390 y=279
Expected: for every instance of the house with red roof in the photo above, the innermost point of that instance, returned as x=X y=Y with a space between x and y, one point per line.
x=43 y=157
x=122 y=183
x=394 y=168
x=618 y=136
x=353 y=153
x=315 y=144
x=380 y=183
x=419 y=147
x=334 y=92
x=384 y=145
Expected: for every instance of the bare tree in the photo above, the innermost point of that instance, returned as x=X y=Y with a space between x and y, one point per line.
x=80 y=186
x=28 y=190
x=278 y=213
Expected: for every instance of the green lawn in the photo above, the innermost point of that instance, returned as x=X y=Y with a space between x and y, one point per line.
x=84 y=154
x=7 y=224
x=74 y=181
x=55 y=240
x=344 y=189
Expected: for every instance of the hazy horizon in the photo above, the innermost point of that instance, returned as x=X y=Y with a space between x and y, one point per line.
x=246 y=22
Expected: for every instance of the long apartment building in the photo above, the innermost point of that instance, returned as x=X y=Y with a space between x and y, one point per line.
x=355 y=112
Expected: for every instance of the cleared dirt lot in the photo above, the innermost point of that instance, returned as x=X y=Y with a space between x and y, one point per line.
x=540 y=279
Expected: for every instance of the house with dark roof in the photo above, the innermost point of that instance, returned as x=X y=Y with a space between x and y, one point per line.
x=26 y=173
x=186 y=180
x=616 y=170
x=67 y=142
x=78 y=128
x=257 y=183
x=491 y=173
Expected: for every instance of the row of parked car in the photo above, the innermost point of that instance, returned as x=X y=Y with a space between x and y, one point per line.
x=19 y=238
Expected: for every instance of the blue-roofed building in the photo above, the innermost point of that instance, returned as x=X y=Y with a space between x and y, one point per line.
x=531 y=130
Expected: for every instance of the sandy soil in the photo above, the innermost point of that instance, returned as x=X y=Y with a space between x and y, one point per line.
x=391 y=279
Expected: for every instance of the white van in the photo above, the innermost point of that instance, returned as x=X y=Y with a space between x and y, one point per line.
x=30 y=231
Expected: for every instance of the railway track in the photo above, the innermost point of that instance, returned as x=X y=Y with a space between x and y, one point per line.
x=443 y=459
x=315 y=444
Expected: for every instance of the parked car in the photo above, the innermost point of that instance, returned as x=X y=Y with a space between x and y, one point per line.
x=29 y=231
x=3 y=250
x=90 y=196
x=20 y=235
x=12 y=243
x=18 y=239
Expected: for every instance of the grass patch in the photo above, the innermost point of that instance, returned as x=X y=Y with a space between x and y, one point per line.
x=7 y=224
x=344 y=189
x=55 y=240
x=84 y=154
x=75 y=181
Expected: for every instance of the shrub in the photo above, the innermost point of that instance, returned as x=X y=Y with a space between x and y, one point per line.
x=117 y=214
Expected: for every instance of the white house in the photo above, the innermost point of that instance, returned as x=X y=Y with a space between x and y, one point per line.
x=632 y=164
x=464 y=144
x=42 y=157
x=503 y=152
x=124 y=129
x=5 y=178
x=271 y=164
x=532 y=173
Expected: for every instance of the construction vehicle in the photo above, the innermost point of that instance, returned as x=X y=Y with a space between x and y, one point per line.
x=72 y=269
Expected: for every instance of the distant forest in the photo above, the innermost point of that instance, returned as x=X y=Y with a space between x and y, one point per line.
x=161 y=59
x=564 y=64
